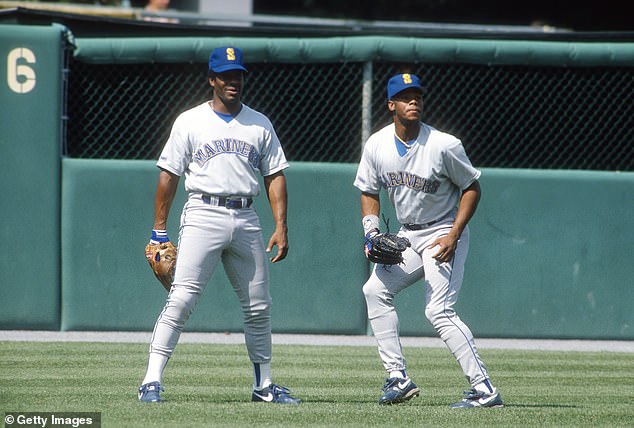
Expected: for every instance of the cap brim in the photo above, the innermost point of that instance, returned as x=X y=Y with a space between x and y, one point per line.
x=420 y=88
x=228 y=67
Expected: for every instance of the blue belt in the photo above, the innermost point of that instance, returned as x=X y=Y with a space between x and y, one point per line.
x=231 y=202
x=411 y=226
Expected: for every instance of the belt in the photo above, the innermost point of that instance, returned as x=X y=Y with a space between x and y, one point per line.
x=231 y=202
x=411 y=226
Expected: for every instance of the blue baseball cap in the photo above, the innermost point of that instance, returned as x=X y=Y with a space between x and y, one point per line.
x=226 y=58
x=400 y=82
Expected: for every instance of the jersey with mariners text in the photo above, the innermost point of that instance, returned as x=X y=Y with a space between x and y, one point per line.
x=219 y=157
x=424 y=181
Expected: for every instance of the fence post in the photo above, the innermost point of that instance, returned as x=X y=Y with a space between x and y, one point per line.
x=366 y=103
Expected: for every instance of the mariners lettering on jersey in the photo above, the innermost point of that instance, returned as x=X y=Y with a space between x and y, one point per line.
x=413 y=181
x=227 y=146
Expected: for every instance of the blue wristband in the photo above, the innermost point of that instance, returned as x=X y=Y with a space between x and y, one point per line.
x=159 y=236
x=370 y=234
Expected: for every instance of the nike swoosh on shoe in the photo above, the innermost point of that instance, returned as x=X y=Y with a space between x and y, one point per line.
x=403 y=385
x=268 y=397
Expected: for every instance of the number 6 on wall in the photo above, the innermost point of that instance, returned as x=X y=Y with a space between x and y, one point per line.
x=20 y=77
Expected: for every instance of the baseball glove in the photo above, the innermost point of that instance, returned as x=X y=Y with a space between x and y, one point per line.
x=386 y=248
x=162 y=259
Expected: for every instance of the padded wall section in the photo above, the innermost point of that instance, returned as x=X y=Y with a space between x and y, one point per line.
x=317 y=289
x=108 y=285
x=108 y=211
x=121 y=50
x=30 y=99
x=551 y=257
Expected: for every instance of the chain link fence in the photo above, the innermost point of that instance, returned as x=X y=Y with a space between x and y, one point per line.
x=506 y=116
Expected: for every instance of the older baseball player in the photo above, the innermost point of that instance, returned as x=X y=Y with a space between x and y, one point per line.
x=220 y=147
x=435 y=191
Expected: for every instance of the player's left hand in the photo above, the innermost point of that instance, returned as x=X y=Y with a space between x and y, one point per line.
x=279 y=240
x=446 y=248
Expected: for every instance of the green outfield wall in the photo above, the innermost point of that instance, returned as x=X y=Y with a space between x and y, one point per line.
x=550 y=254
x=107 y=284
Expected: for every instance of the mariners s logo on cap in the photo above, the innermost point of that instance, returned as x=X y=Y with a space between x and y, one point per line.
x=226 y=58
x=400 y=82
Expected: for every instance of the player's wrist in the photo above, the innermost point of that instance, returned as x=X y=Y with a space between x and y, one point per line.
x=370 y=223
x=159 y=236
x=371 y=233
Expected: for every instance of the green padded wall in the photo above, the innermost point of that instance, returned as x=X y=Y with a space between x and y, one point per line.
x=554 y=249
x=30 y=98
x=550 y=257
x=318 y=289
x=107 y=284
x=106 y=217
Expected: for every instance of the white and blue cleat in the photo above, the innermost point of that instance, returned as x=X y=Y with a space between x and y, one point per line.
x=473 y=399
x=274 y=394
x=151 y=392
x=397 y=390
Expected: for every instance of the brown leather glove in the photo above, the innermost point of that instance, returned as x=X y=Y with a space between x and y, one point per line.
x=162 y=260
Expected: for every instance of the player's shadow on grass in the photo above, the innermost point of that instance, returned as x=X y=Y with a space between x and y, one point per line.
x=320 y=400
x=542 y=406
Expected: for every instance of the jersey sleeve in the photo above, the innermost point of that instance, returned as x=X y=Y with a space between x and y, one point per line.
x=458 y=166
x=176 y=152
x=272 y=157
x=367 y=178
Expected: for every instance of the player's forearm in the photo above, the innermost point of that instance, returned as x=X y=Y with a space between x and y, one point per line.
x=278 y=199
x=165 y=192
x=370 y=204
x=466 y=209
x=370 y=208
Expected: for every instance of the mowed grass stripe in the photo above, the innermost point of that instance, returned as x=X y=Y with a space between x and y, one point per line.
x=210 y=385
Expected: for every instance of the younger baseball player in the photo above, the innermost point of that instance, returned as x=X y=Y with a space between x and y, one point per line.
x=220 y=147
x=435 y=192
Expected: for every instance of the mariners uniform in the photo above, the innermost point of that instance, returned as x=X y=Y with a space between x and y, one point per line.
x=424 y=178
x=220 y=156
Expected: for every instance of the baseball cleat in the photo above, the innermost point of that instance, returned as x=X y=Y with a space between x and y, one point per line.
x=274 y=394
x=397 y=390
x=150 y=392
x=473 y=398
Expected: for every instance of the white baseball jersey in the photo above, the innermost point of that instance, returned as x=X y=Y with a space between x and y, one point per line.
x=215 y=164
x=424 y=182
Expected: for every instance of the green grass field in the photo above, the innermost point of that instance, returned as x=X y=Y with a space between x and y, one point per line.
x=210 y=385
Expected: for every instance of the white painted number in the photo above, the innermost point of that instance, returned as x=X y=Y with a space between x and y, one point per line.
x=20 y=77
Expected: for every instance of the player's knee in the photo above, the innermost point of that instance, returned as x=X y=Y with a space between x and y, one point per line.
x=256 y=313
x=378 y=300
x=372 y=290
x=180 y=306
x=438 y=316
x=257 y=317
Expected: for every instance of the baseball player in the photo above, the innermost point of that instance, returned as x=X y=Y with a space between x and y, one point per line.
x=435 y=191
x=220 y=147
